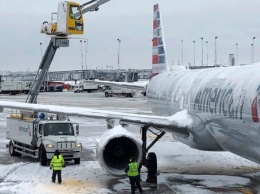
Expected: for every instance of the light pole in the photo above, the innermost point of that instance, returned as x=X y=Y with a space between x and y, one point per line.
x=194 y=51
x=202 y=51
x=41 y=49
x=81 y=56
x=237 y=54
x=207 y=53
x=118 y=56
x=253 y=51
x=46 y=44
x=216 y=51
x=182 y=52
x=252 y=46
x=86 y=51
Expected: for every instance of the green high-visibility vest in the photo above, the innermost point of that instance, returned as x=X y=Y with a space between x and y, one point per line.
x=133 y=169
x=57 y=163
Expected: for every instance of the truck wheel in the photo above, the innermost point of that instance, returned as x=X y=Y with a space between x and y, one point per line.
x=77 y=160
x=152 y=163
x=42 y=156
x=12 y=152
x=106 y=94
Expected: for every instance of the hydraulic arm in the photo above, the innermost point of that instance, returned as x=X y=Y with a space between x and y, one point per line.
x=54 y=44
x=69 y=21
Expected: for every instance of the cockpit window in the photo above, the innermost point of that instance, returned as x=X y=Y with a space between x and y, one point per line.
x=58 y=129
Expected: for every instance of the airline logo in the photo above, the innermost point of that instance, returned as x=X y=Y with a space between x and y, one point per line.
x=219 y=101
x=158 y=59
x=25 y=129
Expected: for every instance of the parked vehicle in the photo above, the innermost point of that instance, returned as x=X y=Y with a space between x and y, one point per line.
x=86 y=86
x=110 y=91
x=77 y=89
x=15 y=87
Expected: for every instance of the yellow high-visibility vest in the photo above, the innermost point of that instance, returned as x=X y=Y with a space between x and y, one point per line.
x=56 y=162
x=133 y=169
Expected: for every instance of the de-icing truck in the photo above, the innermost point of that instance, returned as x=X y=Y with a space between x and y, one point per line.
x=39 y=135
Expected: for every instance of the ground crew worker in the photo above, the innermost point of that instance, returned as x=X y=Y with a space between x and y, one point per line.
x=72 y=16
x=57 y=162
x=133 y=172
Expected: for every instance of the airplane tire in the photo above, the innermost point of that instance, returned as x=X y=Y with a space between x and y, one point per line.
x=42 y=156
x=152 y=163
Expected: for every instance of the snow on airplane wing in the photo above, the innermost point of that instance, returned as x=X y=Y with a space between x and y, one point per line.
x=179 y=120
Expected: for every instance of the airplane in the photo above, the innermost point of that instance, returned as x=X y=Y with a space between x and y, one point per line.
x=214 y=109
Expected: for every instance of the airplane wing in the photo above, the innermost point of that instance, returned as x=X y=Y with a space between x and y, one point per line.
x=178 y=121
x=133 y=85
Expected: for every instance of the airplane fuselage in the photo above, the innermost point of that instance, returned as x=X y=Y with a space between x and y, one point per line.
x=223 y=103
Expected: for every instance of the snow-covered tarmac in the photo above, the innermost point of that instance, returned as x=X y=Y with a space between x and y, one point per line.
x=181 y=169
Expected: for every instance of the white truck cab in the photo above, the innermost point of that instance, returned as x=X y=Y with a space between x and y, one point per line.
x=78 y=89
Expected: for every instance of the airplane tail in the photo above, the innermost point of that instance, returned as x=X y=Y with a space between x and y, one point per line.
x=159 y=60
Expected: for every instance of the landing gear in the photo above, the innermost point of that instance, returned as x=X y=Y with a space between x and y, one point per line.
x=151 y=161
x=152 y=168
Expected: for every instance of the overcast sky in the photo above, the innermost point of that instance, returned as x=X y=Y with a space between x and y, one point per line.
x=233 y=21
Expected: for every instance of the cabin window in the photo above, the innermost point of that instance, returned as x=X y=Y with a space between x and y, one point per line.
x=40 y=129
x=73 y=10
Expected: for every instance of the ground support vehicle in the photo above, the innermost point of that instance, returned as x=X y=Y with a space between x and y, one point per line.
x=85 y=86
x=77 y=89
x=38 y=136
x=110 y=91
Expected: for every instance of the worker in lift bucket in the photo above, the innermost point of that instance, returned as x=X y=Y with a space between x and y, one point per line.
x=57 y=162
x=133 y=173
x=72 y=16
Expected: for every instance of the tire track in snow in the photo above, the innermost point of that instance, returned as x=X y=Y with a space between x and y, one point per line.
x=11 y=171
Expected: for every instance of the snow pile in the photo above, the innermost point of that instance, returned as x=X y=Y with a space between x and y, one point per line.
x=182 y=118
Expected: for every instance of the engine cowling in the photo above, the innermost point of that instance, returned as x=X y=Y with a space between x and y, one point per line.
x=115 y=148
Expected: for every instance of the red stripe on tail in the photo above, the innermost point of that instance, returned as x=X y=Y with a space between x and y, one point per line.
x=155 y=41
x=155 y=59
x=155 y=8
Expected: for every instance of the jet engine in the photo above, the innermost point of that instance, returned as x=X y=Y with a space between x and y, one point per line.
x=115 y=149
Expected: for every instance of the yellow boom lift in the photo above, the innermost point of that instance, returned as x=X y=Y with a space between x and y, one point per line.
x=67 y=21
